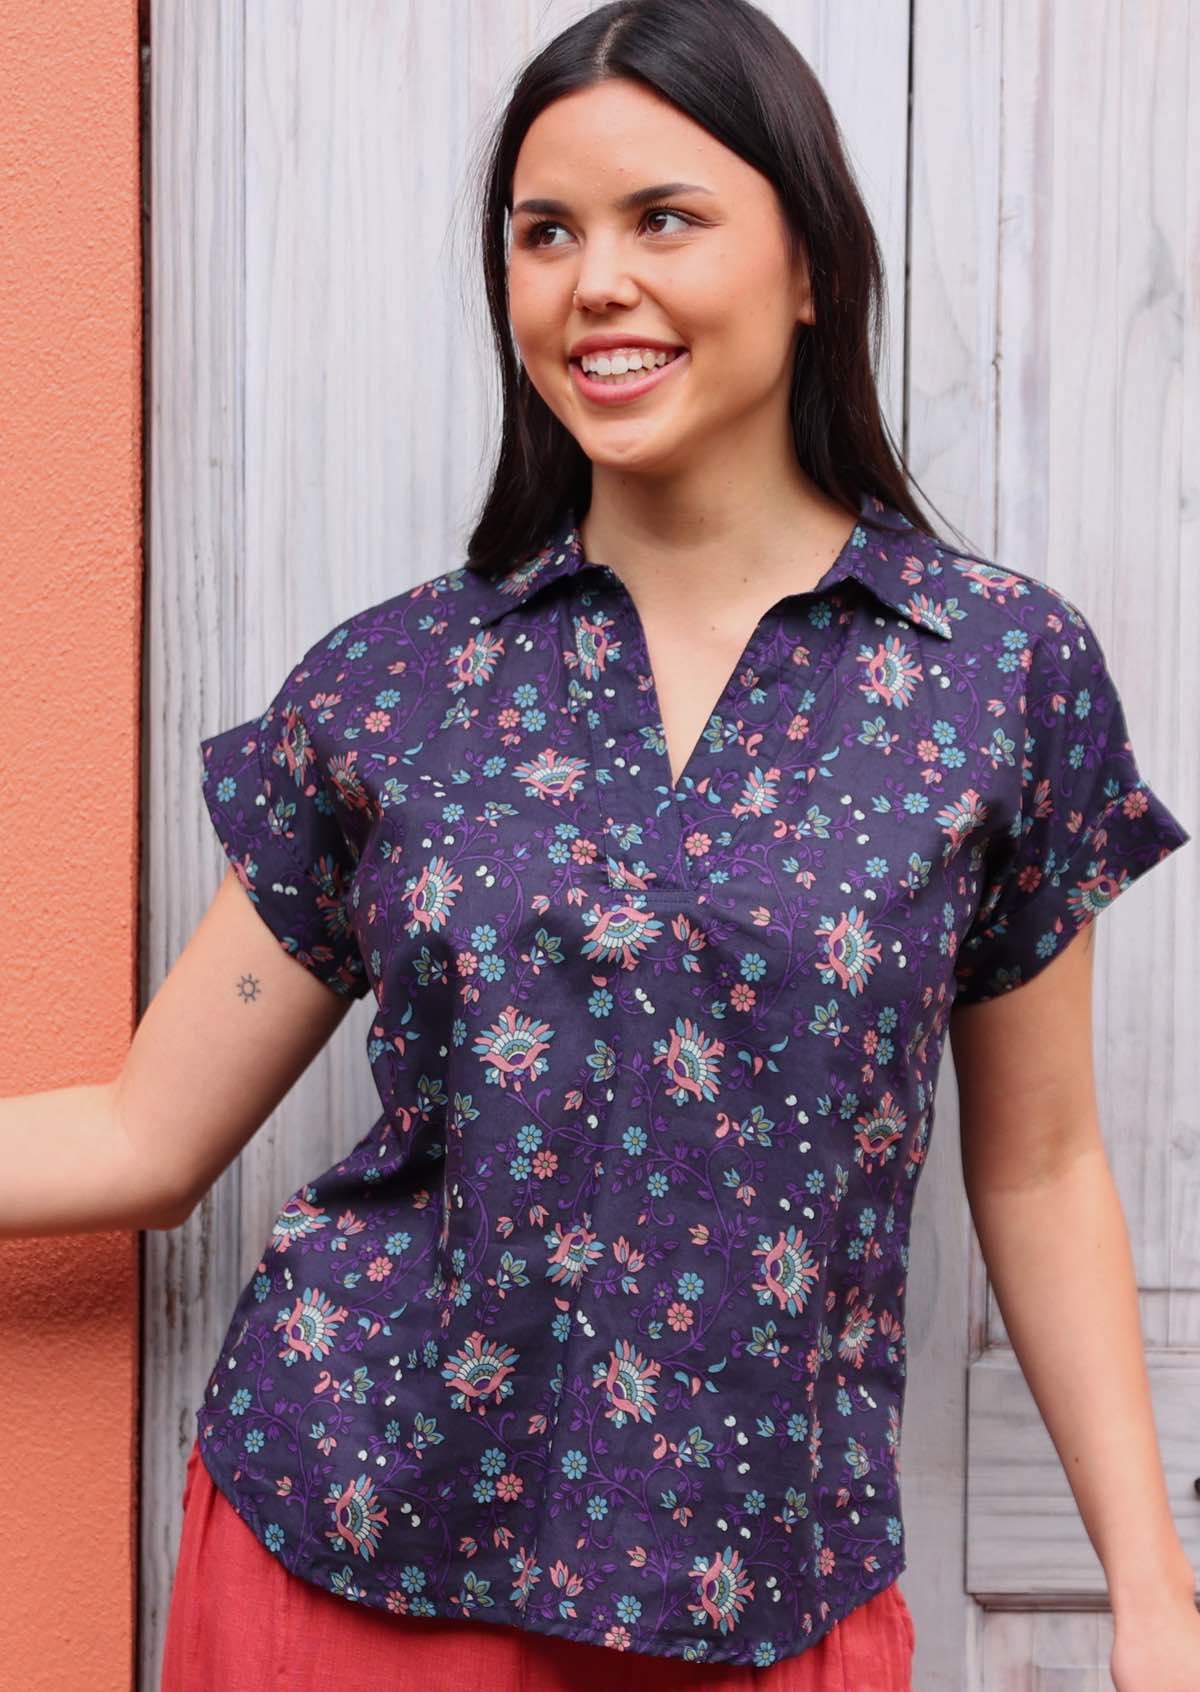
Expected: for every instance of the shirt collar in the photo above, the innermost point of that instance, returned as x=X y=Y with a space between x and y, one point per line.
x=875 y=559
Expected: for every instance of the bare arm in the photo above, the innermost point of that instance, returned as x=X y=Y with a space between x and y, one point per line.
x=229 y=1032
x=65 y=1167
x=1054 y=1237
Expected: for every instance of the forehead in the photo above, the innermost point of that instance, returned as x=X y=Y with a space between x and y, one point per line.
x=595 y=144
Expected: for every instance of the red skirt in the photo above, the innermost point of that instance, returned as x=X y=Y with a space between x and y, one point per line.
x=239 y=1622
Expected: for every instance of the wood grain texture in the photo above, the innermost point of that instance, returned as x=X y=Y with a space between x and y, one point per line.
x=1025 y=1538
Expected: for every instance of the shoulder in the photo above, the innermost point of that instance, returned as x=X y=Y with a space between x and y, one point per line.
x=381 y=643
x=997 y=609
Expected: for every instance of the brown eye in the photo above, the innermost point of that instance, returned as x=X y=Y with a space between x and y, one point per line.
x=668 y=211
x=530 y=236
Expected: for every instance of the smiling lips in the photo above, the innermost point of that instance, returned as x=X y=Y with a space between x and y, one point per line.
x=620 y=393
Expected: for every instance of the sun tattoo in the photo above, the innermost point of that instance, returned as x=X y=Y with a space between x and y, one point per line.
x=248 y=989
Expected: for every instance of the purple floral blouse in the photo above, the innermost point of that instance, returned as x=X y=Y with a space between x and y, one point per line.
x=598 y=1329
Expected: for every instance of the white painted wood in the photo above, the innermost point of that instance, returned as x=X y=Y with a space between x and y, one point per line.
x=319 y=416
x=1024 y=1532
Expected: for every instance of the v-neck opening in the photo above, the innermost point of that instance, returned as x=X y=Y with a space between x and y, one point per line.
x=689 y=776
x=677 y=788
x=654 y=828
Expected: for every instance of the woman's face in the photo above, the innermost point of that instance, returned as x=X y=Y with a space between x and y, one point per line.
x=712 y=275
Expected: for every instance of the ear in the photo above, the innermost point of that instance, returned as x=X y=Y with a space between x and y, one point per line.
x=802 y=291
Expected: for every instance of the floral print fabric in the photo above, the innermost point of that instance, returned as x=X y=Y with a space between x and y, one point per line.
x=598 y=1329
x=239 y=1622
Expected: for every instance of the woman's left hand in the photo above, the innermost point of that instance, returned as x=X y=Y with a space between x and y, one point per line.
x=1157 y=1652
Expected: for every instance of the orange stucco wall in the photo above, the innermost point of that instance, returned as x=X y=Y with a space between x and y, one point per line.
x=70 y=541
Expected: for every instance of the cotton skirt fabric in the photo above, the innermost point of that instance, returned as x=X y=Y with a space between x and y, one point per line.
x=239 y=1622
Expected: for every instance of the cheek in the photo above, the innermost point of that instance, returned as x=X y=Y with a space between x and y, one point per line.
x=738 y=303
x=537 y=308
x=541 y=354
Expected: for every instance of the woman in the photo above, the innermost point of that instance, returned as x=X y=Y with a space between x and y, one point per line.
x=673 y=832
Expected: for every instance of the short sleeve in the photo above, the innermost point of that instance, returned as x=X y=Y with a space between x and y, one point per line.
x=272 y=801
x=1085 y=827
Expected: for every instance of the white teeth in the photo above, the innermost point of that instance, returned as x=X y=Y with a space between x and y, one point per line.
x=620 y=363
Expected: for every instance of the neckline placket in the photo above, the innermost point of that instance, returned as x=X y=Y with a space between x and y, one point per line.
x=649 y=826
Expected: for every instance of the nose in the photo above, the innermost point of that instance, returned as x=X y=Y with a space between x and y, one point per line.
x=603 y=282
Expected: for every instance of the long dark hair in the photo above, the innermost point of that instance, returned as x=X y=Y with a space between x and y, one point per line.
x=728 y=67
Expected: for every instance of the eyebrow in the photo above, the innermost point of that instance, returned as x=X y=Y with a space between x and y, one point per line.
x=627 y=202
